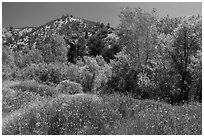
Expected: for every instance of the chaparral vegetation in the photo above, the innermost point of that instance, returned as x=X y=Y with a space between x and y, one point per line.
x=73 y=76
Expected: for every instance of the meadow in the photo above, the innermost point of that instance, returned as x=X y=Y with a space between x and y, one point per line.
x=27 y=113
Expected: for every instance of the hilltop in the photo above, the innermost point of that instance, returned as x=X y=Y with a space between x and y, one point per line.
x=72 y=29
x=75 y=26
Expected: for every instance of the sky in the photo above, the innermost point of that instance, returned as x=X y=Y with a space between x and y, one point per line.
x=25 y=14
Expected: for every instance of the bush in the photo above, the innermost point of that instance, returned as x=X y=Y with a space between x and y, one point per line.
x=146 y=85
x=146 y=117
x=92 y=74
x=124 y=75
x=53 y=49
x=130 y=78
x=43 y=73
x=111 y=114
x=122 y=104
x=71 y=72
x=157 y=119
x=69 y=87
x=35 y=88
x=23 y=59
x=95 y=73
x=64 y=115
x=9 y=69
x=15 y=99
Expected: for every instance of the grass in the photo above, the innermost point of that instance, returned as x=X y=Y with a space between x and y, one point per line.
x=148 y=117
x=15 y=99
x=65 y=114
x=88 y=114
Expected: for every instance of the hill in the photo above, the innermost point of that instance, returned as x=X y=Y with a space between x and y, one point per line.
x=73 y=30
x=75 y=27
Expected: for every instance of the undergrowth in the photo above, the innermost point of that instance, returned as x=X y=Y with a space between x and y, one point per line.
x=109 y=114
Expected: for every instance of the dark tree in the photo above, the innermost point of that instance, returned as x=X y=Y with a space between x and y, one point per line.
x=10 y=28
x=71 y=54
x=102 y=25
x=108 y=26
x=86 y=34
x=184 y=47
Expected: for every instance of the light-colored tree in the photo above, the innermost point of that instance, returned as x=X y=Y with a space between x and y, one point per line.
x=138 y=34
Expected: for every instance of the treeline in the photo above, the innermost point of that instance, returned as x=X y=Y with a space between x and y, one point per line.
x=152 y=58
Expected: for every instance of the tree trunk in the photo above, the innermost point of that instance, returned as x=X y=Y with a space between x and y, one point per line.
x=182 y=87
x=198 y=94
x=181 y=95
x=186 y=93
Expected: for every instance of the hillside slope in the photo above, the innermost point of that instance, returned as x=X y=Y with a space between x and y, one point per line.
x=68 y=27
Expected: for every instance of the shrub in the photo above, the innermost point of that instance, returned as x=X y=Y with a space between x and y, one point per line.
x=6 y=54
x=34 y=56
x=15 y=99
x=92 y=74
x=95 y=74
x=54 y=49
x=121 y=104
x=146 y=117
x=64 y=115
x=130 y=78
x=71 y=72
x=113 y=114
x=69 y=87
x=23 y=59
x=34 y=87
x=9 y=69
x=124 y=75
x=43 y=73
x=95 y=45
x=146 y=85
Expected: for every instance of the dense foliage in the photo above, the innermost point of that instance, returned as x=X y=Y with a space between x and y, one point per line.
x=87 y=115
x=88 y=78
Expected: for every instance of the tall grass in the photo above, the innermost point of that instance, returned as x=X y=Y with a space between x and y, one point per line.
x=147 y=117
x=15 y=99
x=108 y=114
x=66 y=114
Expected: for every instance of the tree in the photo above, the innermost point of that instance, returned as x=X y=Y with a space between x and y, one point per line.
x=10 y=28
x=86 y=34
x=196 y=70
x=108 y=25
x=102 y=33
x=167 y=25
x=138 y=36
x=186 y=44
x=121 y=80
x=81 y=47
x=165 y=74
x=71 y=54
x=111 y=50
x=102 y=25
x=95 y=45
x=54 y=49
x=137 y=32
